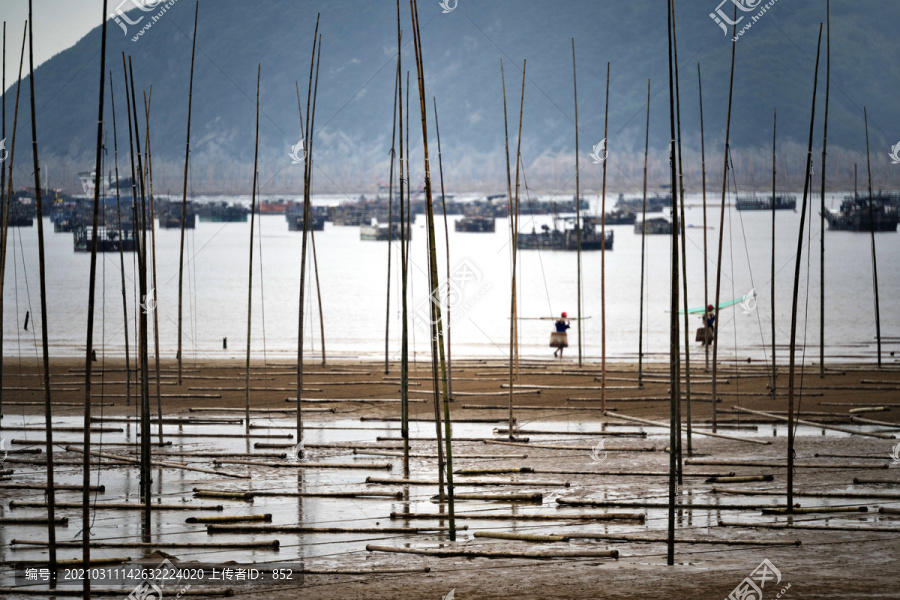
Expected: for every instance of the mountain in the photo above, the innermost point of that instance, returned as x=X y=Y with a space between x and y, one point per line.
x=774 y=67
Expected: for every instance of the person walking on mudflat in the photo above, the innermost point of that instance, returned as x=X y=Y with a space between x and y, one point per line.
x=559 y=339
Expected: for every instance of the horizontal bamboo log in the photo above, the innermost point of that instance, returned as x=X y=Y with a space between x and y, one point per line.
x=55 y=403
x=865 y=529
x=741 y=479
x=858 y=495
x=774 y=465
x=169 y=420
x=252 y=389
x=642 y=504
x=478 y=482
x=117 y=505
x=65 y=462
x=866 y=456
x=883 y=436
x=874 y=422
x=478 y=553
x=358 y=495
x=612 y=537
x=627 y=473
x=552 y=447
x=24 y=451
x=359 y=451
x=497 y=471
x=246 y=496
x=241 y=436
x=870 y=481
x=300 y=529
x=486 y=516
x=394 y=438
x=272 y=544
x=281 y=455
x=640 y=399
x=59 y=487
x=230 y=519
x=536 y=497
x=263 y=410
x=367 y=572
x=888 y=510
x=521 y=537
x=698 y=432
x=516 y=391
x=868 y=409
x=60 y=521
x=66 y=429
x=428 y=420
x=504 y=430
x=218 y=592
x=356 y=400
x=157 y=463
x=180 y=396
x=299 y=465
x=815 y=510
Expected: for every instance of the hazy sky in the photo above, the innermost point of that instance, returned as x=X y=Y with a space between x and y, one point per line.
x=58 y=25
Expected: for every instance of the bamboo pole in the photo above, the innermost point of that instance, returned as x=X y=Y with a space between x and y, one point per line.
x=793 y=341
x=772 y=276
x=301 y=529
x=447 y=241
x=514 y=222
x=872 y=233
x=857 y=495
x=703 y=177
x=155 y=463
x=308 y=212
x=48 y=412
x=809 y=527
x=115 y=506
x=674 y=350
x=187 y=156
x=520 y=537
x=250 y=267
x=482 y=516
x=60 y=521
x=698 y=432
x=271 y=544
x=4 y=208
x=473 y=552
x=644 y=250
x=578 y=207
x=438 y=326
x=603 y=252
x=404 y=262
x=472 y=482
x=387 y=317
x=535 y=497
x=822 y=206
x=306 y=225
x=509 y=201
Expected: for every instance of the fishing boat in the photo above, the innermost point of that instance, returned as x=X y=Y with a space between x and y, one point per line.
x=475 y=225
x=108 y=240
x=380 y=232
x=856 y=214
x=621 y=216
x=765 y=203
x=169 y=213
x=654 y=226
x=272 y=207
x=654 y=204
x=567 y=237
x=222 y=212
x=296 y=223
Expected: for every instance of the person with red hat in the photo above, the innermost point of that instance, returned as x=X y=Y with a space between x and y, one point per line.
x=559 y=338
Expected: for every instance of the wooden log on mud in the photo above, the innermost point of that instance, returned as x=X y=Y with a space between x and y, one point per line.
x=741 y=479
x=706 y=433
x=858 y=495
x=366 y=572
x=486 y=516
x=357 y=400
x=479 y=553
x=358 y=495
x=534 y=498
x=883 y=436
x=262 y=410
x=280 y=455
x=504 y=430
x=866 y=456
x=517 y=391
x=230 y=519
x=626 y=473
x=300 y=529
x=868 y=409
x=271 y=544
x=172 y=420
x=252 y=389
x=299 y=465
x=156 y=463
x=814 y=510
x=66 y=429
x=55 y=403
x=431 y=420
x=871 y=481
x=239 y=436
x=391 y=438
x=864 y=421
x=56 y=486
x=434 y=455
x=552 y=447
x=864 y=529
x=497 y=471
x=665 y=505
x=117 y=506
x=612 y=537
x=334 y=445
x=521 y=537
x=774 y=465
x=246 y=496
x=59 y=521
x=888 y=510
x=478 y=482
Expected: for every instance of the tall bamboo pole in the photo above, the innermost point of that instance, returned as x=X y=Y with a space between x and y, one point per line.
x=822 y=206
x=250 y=268
x=306 y=211
x=703 y=176
x=806 y=190
x=153 y=262
x=146 y=490
x=603 y=255
x=872 y=233
x=187 y=157
x=511 y=229
x=3 y=209
x=8 y=193
x=772 y=287
x=438 y=325
x=45 y=339
x=577 y=207
x=387 y=318
x=674 y=350
x=136 y=222
x=643 y=248
x=404 y=329
x=514 y=222
x=675 y=232
x=437 y=129
x=722 y=224
x=88 y=362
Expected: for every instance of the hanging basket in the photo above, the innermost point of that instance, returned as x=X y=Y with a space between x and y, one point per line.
x=559 y=339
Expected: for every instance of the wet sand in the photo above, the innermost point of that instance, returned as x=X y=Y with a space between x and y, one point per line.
x=844 y=564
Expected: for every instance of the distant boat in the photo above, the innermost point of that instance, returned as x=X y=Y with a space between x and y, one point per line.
x=567 y=238
x=856 y=215
x=272 y=207
x=222 y=212
x=476 y=225
x=380 y=232
x=169 y=214
x=296 y=223
x=620 y=216
x=654 y=226
x=765 y=203
x=654 y=204
x=108 y=240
